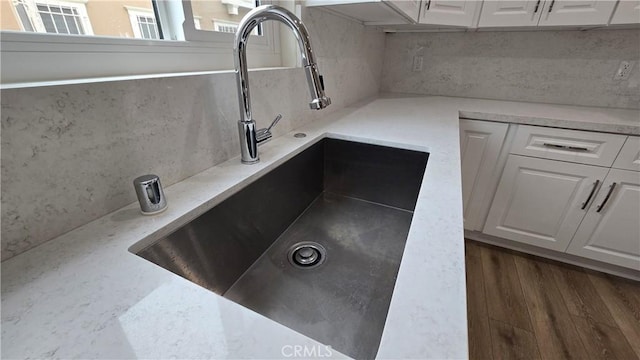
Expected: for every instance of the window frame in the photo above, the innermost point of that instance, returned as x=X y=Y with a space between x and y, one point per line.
x=81 y=58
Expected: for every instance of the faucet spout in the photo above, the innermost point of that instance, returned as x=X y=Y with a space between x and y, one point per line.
x=246 y=124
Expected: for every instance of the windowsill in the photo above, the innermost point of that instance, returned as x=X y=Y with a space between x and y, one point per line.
x=21 y=85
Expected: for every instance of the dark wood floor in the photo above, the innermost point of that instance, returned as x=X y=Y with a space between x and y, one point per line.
x=524 y=307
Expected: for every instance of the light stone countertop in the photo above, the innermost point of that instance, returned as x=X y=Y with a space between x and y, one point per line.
x=85 y=295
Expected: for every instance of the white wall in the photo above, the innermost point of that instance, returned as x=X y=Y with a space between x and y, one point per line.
x=70 y=153
x=562 y=67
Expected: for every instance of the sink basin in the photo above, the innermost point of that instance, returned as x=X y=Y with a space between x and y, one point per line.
x=315 y=244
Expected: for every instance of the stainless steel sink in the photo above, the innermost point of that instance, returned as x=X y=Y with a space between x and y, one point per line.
x=315 y=244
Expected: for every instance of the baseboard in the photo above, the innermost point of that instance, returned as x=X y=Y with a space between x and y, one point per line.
x=554 y=255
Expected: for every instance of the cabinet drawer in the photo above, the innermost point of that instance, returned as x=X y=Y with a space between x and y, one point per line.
x=629 y=157
x=583 y=147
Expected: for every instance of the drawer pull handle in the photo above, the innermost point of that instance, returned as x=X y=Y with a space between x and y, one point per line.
x=595 y=186
x=566 y=147
x=551 y=6
x=604 y=202
x=428 y=5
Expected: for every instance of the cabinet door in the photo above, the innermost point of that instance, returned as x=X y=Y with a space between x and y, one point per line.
x=498 y=13
x=629 y=156
x=370 y=12
x=410 y=8
x=480 y=143
x=576 y=12
x=610 y=232
x=541 y=202
x=448 y=12
x=627 y=12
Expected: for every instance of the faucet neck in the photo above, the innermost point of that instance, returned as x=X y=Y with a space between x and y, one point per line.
x=246 y=26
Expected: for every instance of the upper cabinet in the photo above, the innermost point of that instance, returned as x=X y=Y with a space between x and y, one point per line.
x=497 y=13
x=374 y=12
x=449 y=12
x=576 y=12
x=487 y=14
x=627 y=12
x=526 y=13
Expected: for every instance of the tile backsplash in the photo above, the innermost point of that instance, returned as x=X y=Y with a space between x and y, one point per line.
x=562 y=67
x=70 y=153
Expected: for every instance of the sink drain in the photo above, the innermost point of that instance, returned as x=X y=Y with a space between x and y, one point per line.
x=307 y=255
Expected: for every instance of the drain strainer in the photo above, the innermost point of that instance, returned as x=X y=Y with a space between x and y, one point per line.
x=307 y=255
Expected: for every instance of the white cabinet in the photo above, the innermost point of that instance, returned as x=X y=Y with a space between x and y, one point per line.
x=449 y=12
x=480 y=144
x=610 y=232
x=576 y=12
x=373 y=12
x=499 y=13
x=410 y=8
x=565 y=194
x=503 y=13
x=586 y=147
x=629 y=156
x=627 y=12
x=541 y=202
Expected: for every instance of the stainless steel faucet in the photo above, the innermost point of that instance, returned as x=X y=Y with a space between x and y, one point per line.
x=249 y=136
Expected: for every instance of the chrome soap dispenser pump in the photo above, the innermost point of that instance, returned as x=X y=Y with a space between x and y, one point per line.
x=150 y=194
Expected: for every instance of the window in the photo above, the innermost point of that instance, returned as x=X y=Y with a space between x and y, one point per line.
x=225 y=26
x=58 y=19
x=21 y=10
x=96 y=39
x=148 y=27
x=143 y=23
x=53 y=17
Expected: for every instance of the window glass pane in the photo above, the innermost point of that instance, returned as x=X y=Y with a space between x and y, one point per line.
x=221 y=15
x=60 y=25
x=152 y=31
x=113 y=18
x=78 y=22
x=24 y=17
x=48 y=23
x=71 y=24
x=145 y=31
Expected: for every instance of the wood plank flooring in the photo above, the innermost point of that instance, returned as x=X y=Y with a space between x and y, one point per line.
x=524 y=307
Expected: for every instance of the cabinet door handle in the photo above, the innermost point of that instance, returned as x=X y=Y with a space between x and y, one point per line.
x=537 y=6
x=604 y=202
x=551 y=6
x=565 y=147
x=595 y=186
x=428 y=4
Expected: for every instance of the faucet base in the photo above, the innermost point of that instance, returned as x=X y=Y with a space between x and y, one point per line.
x=249 y=162
x=248 y=142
